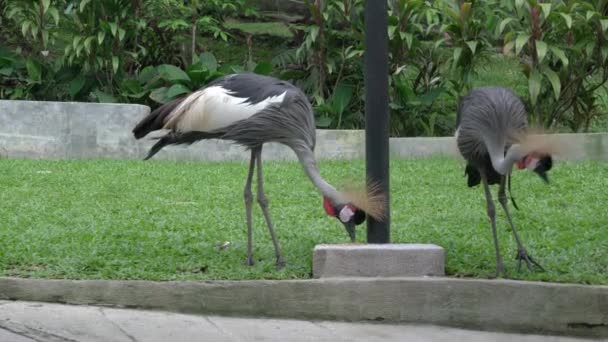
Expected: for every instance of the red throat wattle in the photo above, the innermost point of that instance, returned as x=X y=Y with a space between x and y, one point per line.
x=522 y=164
x=329 y=208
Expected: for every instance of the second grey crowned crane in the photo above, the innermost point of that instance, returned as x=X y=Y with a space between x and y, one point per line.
x=492 y=136
x=251 y=110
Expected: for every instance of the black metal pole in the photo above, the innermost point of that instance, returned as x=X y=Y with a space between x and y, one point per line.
x=376 y=110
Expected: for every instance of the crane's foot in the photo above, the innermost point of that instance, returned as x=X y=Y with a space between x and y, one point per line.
x=522 y=254
x=280 y=263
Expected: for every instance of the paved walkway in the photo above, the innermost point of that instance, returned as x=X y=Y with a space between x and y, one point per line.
x=28 y=321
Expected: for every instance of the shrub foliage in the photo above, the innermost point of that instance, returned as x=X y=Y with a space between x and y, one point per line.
x=150 y=51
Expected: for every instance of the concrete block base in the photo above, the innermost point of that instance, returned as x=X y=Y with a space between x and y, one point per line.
x=378 y=260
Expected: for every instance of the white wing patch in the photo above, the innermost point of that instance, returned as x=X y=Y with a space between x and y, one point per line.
x=213 y=108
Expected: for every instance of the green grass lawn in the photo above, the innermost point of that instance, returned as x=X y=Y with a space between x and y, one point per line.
x=163 y=220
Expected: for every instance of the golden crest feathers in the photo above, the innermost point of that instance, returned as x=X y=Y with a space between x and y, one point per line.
x=369 y=198
x=539 y=140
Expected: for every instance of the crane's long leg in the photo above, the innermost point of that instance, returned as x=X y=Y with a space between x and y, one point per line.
x=522 y=254
x=263 y=201
x=248 y=201
x=500 y=267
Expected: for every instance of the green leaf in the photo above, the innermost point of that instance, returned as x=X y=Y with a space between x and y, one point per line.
x=589 y=48
x=146 y=74
x=76 y=41
x=6 y=71
x=391 y=31
x=176 y=89
x=131 y=88
x=541 y=50
x=354 y=52
x=197 y=73
x=104 y=97
x=520 y=42
x=457 y=53
x=121 y=34
x=55 y=14
x=100 y=37
x=503 y=24
x=263 y=68
x=568 y=19
x=172 y=73
x=87 y=43
x=409 y=38
x=604 y=23
x=590 y=14
x=11 y=12
x=25 y=26
x=75 y=86
x=314 y=32
x=45 y=5
x=554 y=80
x=115 y=63
x=208 y=61
x=341 y=6
x=113 y=28
x=534 y=83
x=34 y=69
x=159 y=95
x=83 y=3
x=546 y=7
x=45 y=38
x=472 y=44
x=341 y=97
x=559 y=53
x=438 y=42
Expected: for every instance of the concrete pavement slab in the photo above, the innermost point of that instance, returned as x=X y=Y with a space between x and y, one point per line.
x=31 y=321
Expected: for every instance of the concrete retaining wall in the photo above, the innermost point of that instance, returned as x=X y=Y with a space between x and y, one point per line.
x=503 y=305
x=65 y=130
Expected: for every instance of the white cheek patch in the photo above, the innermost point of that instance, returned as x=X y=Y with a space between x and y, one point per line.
x=532 y=164
x=346 y=214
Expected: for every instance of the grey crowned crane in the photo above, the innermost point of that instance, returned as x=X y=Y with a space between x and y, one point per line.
x=251 y=110
x=492 y=136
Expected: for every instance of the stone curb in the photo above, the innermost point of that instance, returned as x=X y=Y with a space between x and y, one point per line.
x=501 y=305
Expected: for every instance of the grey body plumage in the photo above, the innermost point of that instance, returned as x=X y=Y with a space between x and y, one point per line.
x=290 y=122
x=490 y=123
x=487 y=118
x=251 y=110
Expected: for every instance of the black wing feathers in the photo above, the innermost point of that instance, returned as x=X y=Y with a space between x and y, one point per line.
x=155 y=120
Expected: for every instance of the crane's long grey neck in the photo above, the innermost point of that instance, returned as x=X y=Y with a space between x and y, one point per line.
x=309 y=164
x=503 y=163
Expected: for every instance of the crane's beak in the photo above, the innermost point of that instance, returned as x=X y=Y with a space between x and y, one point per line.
x=350 y=229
